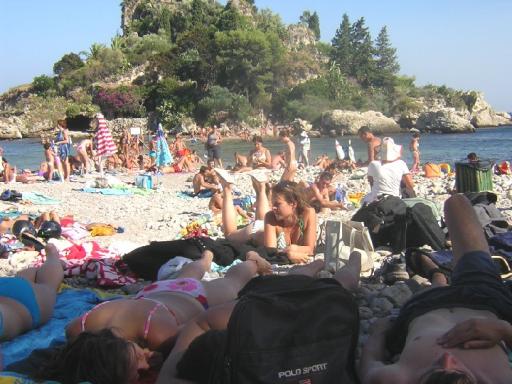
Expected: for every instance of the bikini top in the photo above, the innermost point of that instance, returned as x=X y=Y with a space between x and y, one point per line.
x=147 y=323
x=281 y=237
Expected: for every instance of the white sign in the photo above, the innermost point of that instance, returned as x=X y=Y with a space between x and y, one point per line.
x=135 y=131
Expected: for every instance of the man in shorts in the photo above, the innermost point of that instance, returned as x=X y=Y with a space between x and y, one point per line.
x=372 y=142
x=460 y=333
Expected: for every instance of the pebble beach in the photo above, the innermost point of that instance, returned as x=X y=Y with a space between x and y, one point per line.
x=163 y=213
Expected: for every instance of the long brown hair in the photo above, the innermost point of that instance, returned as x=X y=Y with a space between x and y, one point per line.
x=291 y=193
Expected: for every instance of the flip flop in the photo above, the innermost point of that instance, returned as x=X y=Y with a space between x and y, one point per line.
x=32 y=241
x=503 y=266
x=225 y=175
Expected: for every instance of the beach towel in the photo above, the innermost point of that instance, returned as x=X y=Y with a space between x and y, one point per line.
x=105 y=145
x=9 y=215
x=108 y=191
x=70 y=304
x=163 y=154
x=39 y=198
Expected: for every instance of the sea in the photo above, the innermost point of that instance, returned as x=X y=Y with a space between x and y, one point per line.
x=488 y=143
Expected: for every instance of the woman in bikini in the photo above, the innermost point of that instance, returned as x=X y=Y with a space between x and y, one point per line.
x=414 y=147
x=27 y=300
x=141 y=328
x=290 y=226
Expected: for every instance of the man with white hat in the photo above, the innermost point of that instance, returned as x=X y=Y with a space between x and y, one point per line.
x=386 y=174
x=305 y=146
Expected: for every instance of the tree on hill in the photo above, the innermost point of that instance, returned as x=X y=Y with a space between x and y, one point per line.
x=312 y=21
x=342 y=46
x=69 y=62
x=362 y=64
x=385 y=59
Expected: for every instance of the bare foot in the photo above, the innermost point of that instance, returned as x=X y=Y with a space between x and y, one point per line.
x=310 y=269
x=348 y=276
x=263 y=266
x=206 y=259
x=225 y=177
x=259 y=186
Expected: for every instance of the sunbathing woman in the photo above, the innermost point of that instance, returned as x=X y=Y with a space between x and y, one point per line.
x=121 y=337
x=27 y=300
x=259 y=157
x=290 y=226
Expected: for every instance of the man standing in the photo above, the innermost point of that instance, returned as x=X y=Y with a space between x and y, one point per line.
x=372 y=142
x=305 y=146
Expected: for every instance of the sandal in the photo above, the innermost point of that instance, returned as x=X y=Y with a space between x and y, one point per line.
x=503 y=266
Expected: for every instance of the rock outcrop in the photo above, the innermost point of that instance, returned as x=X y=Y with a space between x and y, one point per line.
x=446 y=120
x=9 y=128
x=482 y=114
x=299 y=36
x=349 y=122
x=300 y=125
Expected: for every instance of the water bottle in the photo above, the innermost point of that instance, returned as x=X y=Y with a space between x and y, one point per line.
x=340 y=194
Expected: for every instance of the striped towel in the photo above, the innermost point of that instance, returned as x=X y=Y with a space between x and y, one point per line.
x=105 y=145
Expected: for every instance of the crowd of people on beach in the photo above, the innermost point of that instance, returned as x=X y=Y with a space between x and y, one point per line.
x=458 y=331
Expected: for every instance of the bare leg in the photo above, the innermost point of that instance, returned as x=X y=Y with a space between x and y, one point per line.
x=262 y=203
x=197 y=268
x=312 y=269
x=438 y=279
x=226 y=289
x=51 y=272
x=464 y=228
x=228 y=209
x=348 y=275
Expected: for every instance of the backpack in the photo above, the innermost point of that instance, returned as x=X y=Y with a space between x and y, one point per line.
x=291 y=329
x=386 y=221
x=423 y=228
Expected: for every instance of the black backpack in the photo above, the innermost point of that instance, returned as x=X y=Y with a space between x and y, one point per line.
x=423 y=228
x=386 y=220
x=291 y=329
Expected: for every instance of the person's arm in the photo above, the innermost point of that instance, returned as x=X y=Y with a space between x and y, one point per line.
x=301 y=253
x=407 y=179
x=269 y=235
x=268 y=159
x=214 y=318
x=477 y=333
x=373 y=370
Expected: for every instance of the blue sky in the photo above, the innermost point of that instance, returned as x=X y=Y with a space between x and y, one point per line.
x=463 y=44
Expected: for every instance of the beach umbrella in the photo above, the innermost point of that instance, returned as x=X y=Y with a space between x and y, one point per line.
x=105 y=145
x=163 y=154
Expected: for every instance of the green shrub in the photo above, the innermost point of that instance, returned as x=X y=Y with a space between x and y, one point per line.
x=42 y=84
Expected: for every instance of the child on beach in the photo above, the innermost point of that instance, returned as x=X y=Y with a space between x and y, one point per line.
x=49 y=156
x=414 y=147
x=84 y=152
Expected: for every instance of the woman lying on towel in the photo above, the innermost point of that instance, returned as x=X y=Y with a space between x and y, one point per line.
x=27 y=300
x=117 y=339
x=289 y=226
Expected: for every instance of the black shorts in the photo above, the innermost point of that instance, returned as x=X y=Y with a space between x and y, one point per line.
x=214 y=152
x=475 y=284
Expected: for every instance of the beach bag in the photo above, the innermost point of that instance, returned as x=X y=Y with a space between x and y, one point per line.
x=343 y=238
x=290 y=329
x=432 y=170
x=146 y=182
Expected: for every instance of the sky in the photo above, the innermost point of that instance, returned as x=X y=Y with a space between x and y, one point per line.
x=463 y=44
